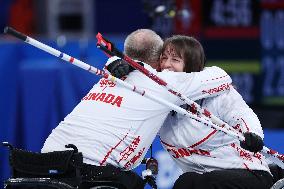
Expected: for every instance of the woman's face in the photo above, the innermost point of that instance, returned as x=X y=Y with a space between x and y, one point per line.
x=171 y=61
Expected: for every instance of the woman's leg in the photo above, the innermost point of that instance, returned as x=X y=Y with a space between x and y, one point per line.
x=229 y=179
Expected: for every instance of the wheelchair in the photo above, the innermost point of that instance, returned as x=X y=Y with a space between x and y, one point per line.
x=52 y=170
x=64 y=170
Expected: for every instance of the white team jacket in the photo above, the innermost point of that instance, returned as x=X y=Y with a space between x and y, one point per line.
x=196 y=147
x=112 y=125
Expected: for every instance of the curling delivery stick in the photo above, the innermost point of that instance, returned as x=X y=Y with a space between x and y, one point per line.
x=110 y=49
x=96 y=71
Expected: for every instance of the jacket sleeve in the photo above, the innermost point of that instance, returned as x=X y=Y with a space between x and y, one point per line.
x=234 y=111
x=212 y=81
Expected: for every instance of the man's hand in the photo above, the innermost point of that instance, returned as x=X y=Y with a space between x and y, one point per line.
x=252 y=142
x=119 y=68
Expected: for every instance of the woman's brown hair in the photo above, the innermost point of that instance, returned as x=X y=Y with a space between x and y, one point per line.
x=189 y=49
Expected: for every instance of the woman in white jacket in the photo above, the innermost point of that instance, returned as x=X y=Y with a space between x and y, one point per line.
x=209 y=158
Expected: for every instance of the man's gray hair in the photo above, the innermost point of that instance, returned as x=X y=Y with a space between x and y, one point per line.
x=144 y=45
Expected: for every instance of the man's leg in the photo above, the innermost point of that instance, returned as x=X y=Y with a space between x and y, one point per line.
x=92 y=173
x=188 y=180
x=131 y=180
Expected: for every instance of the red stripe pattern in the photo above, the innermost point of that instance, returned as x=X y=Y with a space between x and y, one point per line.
x=109 y=152
x=71 y=60
x=215 y=78
x=204 y=139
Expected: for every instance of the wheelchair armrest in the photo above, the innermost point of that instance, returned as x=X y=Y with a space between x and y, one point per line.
x=6 y=144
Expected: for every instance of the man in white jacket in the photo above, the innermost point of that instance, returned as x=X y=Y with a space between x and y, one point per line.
x=208 y=158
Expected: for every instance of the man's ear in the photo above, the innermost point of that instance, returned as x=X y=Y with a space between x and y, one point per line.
x=158 y=66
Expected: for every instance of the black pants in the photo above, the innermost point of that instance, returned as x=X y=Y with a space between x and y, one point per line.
x=227 y=179
x=129 y=179
x=277 y=172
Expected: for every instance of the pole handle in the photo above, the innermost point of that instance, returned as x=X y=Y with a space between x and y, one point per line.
x=15 y=33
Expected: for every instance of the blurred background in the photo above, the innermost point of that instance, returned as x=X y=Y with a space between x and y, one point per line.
x=244 y=37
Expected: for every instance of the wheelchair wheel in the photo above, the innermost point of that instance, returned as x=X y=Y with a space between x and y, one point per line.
x=104 y=187
x=279 y=184
x=35 y=183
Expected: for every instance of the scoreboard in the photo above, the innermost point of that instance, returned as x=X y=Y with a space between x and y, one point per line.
x=230 y=18
x=272 y=55
x=246 y=38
